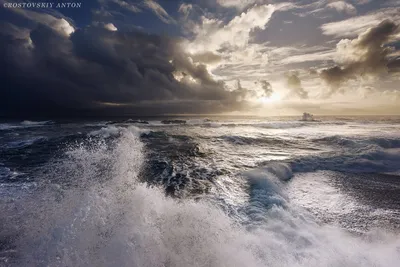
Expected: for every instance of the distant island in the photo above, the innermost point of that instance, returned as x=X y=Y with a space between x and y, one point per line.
x=308 y=117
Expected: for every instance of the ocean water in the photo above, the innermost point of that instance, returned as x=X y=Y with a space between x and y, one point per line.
x=208 y=192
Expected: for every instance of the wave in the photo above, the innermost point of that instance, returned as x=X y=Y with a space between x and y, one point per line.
x=247 y=140
x=368 y=159
x=24 y=124
x=107 y=217
x=207 y=123
x=266 y=191
x=128 y=121
x=36 y=123
x=97 y=124
x=24 y=142
x=113 y=131
x=8 y=126
x=7 y=173
x=351 y=142
x=267 y=125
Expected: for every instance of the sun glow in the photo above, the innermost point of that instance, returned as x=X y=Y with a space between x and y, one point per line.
x=275 y=97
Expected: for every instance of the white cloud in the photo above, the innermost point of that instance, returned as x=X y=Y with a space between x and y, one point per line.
x=212 y=34
x=342 y=6
x=238 y=4
x=298 y=54
x=285 y=6
x=239 y=57
x=159 y=11
x=323 y=8
x=316 y=56
x=60 y=25
x=356 y=25
x=110 y=27
x=231 y=42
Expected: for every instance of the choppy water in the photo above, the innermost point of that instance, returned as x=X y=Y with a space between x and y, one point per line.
x=219 y=192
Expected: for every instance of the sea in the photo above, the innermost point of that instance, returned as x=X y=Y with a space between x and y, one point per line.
x=195 y=191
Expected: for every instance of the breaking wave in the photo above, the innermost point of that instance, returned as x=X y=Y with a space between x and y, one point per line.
x=92 y=209
x=113 y=131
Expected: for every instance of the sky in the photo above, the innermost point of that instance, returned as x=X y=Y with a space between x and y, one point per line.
x=164 y=57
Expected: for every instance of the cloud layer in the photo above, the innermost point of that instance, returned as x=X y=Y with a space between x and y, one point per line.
x=366 y=56
x=53 y=68
x=150 y=57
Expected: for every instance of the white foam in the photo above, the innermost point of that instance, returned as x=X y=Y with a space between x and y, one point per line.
x=109 y=131
x=35 y=123
x=106 y=132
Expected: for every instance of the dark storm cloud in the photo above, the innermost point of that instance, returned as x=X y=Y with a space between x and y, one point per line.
x=96 y=71
x=293 y=83
x=365 y=56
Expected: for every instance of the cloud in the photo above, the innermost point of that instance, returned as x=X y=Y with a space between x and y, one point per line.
x=342 y=6
x=241 y=5
x=159 y=11
x=107 y=9
x=59 y=24
x=229 y=40
x=327 y=54
x=354 y=26
x=394 y=65
x=362 y=2
x=95 y=71
x=185 y=9
x=322 y=9
x=391 y=3
x=238 y=4
x=293 y=83
x=267 y=88
x=313 y=72
x=366 y=56
x=7 y=28
x=107 y=26
x=206 y=57
x=125 y=5
x=110 y=27
x=212 y=34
